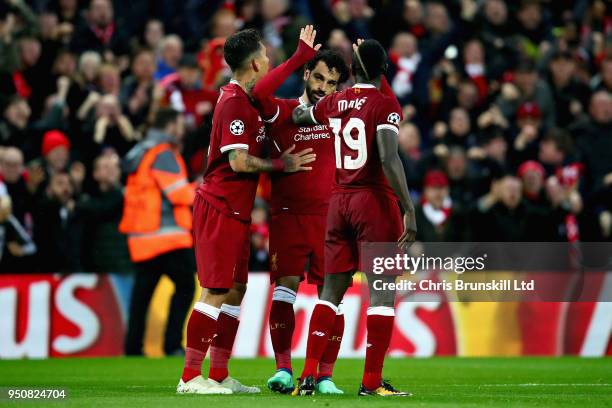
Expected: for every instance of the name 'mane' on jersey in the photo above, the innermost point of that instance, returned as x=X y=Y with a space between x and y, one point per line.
x=355 y=115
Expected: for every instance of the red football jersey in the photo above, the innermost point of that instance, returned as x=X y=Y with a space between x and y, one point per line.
x=236 y=125
x=354 y=115
x=302 y=192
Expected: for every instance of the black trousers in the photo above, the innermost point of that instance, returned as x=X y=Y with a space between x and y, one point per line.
x=177 y=265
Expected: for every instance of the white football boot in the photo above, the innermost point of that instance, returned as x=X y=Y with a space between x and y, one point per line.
x=235 y=386
x=199 y=385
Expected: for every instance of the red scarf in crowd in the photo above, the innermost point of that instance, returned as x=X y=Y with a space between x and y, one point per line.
x=104 y=34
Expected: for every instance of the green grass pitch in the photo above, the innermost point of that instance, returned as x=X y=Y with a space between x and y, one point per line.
x=435 y=382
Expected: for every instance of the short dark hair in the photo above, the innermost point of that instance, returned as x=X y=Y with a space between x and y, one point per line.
x=333 y=60
x=164 y=117
x=526 y=66
x=561 y=138
x=240 y=46
x=373 y=57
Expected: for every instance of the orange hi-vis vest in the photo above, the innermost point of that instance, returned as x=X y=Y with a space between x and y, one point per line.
x=158 y=198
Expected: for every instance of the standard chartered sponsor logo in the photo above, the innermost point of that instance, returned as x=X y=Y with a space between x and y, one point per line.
x=316 y=132
x=299 y=137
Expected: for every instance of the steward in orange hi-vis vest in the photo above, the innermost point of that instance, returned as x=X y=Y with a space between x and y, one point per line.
x=158 y=197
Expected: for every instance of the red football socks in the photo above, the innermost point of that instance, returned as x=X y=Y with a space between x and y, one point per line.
x=380 y=327
x=321 y=325
x=221 y=349
x=201 y=329
x=330 y=355
x=282 y=325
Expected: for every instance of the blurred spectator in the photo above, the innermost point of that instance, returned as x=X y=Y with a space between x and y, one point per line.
x=495 y=31
x=111 y=128
x=475 y=67
x=19 y=184
x=528 y=129
x=16 y=129
x=171 y=52
x=436 y=216
x=102 y=211
x=463 y=190
x=458 y=132
x=595 y=143
x=405 y=57
x=17 y=248
x=603 y=81
x=410 y=152
x=55 y=152
x=527 y=87
x=19 y=21
x=536 y=33
x=58 y=228
x=100 y=33
x=532 y=175
x=281 y=27
x=213 y=64
x=151 y=38
x=68 y=12
x=571 y=95
x=555 y=149
x=137 y=89
x=223 y=24
x=13 y=126
x=184 y=92
x=88 y=70
x=505 y=217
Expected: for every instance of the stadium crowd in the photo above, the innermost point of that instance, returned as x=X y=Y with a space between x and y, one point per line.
x=507 y=131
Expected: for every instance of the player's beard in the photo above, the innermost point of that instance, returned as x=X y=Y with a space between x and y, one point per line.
x=313 y=96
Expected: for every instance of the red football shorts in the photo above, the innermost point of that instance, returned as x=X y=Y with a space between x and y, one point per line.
x=354 y=217
x=296 y=246
x=222 y=246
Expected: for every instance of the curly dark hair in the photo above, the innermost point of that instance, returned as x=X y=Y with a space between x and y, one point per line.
x=333 y=60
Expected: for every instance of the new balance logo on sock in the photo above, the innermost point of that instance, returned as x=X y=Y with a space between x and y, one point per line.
x=318 y=333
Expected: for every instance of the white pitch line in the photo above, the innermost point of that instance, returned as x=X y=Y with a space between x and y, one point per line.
x=548 y=385
x=524 y=385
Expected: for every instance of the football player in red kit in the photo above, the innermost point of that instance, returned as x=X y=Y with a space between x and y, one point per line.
x=370 y=179
x=299 y=210
x=222 y=214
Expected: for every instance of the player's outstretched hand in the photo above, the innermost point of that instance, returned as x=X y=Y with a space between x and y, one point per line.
x=308 y=34
x=296 y=161
x=409 y=234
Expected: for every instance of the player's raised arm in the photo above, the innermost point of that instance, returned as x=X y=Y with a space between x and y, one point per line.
x=388 y=145
x=264 y=89
x=242 y=162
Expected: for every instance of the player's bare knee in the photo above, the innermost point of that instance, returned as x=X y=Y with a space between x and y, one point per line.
x=217 y=291
x=236 y=294
x=379 y=294
x=289 y=282
x=240 y=289
x=335 y=286
x=213 y=296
